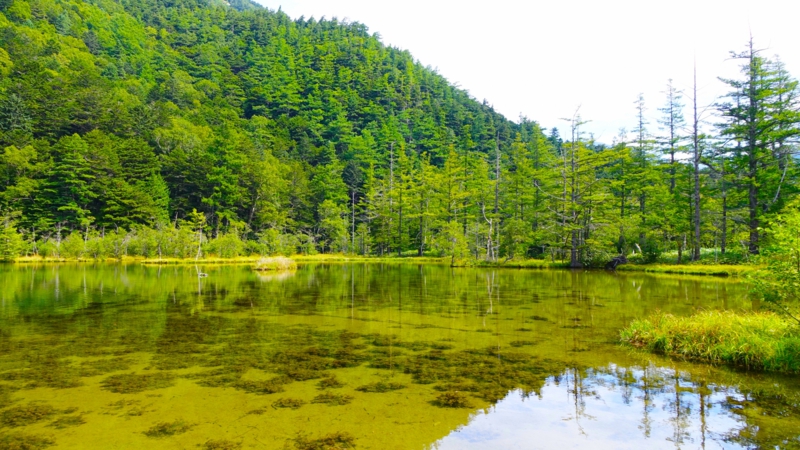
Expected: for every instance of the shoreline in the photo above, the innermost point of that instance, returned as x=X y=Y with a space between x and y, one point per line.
x=716 y=270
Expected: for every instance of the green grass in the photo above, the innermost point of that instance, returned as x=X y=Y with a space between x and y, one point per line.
x=691 y=269
x=276 y=263
x=754 y=340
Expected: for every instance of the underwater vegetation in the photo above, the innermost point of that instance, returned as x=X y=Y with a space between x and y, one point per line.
x=380 y=387
x=330 y=382
x=67 y=421
x=131 y=383
x=292 y=403
x=272 y=386
x=452 y=399
x=165 y=429
x=221 y=445
x=103 y=366
x=332 y=399
x=27 y=414
x=334 y=441
x=20 y=441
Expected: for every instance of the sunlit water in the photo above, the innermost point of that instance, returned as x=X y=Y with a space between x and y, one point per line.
x=371 y=356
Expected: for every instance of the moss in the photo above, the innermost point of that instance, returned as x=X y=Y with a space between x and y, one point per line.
x=380 y=387
x=19 y=441
x=452 y=399
x=292 y=403
x=521 y=343
x=67 y=421
x=165 y=429
x=540 y=318
x=221 y=445
x=131 y=383
x=25 y=415
x=330 y=382
x=332 y=399
x=334 y=441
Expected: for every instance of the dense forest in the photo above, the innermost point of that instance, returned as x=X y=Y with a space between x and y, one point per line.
x=164 y=127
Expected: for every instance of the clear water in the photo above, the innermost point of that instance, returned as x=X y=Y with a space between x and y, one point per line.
x=365 y=355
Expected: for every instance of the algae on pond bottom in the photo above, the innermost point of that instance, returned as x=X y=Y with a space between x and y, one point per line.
x=157 y=358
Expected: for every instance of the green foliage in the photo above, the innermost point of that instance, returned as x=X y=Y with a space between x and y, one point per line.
x=779 y=283
x=11 y=242
x=164 y=130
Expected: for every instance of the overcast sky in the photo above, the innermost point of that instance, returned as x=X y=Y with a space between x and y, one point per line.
x=544 y=60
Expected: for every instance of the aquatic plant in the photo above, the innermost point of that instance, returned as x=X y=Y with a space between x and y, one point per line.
x=292 y=403
x=272 y=386
x=333 y=441
x=222 y=445
x=131 y=383
x=103 y=366
x=329 y=382
x=452 y=399
x=380 y=387
x=165 y=429
x=276 y=263
x=332 y=399
x=67 y=421
x=755 y=340
x=21 y=441
x=26 y=414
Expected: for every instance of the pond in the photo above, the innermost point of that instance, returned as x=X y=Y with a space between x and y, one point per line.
x=382 y=356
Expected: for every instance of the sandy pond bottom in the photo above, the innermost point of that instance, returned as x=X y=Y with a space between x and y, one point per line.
x=365 y=356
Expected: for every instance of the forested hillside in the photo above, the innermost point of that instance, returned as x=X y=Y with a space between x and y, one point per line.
x=138 y=127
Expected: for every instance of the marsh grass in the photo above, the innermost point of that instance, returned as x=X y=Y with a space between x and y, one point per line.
x=276 y=263
x=720 y=270
x=754 y=340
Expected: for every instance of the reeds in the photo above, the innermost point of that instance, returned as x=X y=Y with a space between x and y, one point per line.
x=754 y=340
x=276 y=263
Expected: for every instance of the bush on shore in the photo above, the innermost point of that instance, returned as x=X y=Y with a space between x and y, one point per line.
x=755 y=340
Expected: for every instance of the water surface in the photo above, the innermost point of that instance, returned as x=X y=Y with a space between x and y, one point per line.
x=376 y=356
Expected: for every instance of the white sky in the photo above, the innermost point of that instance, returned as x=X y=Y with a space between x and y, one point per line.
x=544 y=59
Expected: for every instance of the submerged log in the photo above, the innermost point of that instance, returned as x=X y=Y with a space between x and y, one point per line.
x=612 y=265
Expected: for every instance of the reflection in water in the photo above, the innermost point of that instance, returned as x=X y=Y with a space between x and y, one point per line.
x=379 y=356
x=611 y=408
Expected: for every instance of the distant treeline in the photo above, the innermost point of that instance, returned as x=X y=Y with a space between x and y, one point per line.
x=153 y=127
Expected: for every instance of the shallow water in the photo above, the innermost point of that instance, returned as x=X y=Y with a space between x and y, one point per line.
x=365 y=355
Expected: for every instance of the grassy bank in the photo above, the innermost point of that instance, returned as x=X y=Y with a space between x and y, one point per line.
x=761 y=341
x=721 y=270
x=679 y=269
